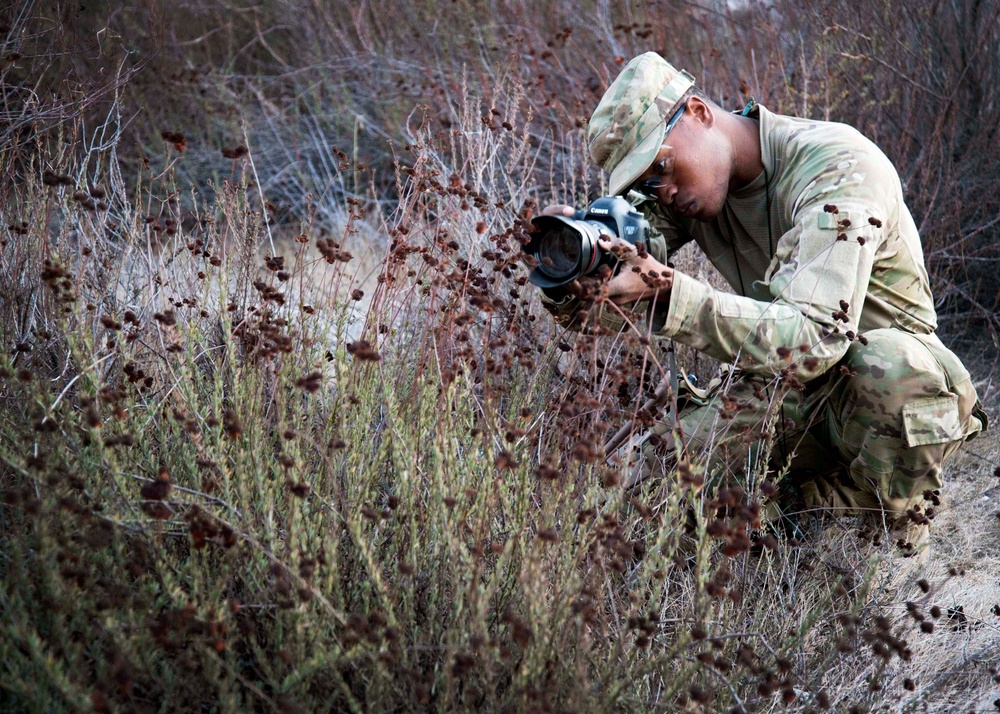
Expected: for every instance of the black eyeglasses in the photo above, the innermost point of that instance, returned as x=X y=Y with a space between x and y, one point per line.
x=648 y=187
x=675 y=118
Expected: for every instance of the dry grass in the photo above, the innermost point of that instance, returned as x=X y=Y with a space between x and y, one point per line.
x=282 y=427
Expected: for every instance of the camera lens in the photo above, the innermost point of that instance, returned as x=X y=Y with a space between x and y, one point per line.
x=561 y=249
x=559 y=254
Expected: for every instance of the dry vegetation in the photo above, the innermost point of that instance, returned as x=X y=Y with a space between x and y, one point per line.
x=283 y=428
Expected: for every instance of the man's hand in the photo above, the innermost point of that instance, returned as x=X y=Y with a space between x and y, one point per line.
x=558 y=210
x=641 y=277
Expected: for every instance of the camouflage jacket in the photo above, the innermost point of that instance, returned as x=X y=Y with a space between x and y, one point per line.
x=818 y=249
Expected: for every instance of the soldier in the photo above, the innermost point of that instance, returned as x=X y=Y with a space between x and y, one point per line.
x=837 y=375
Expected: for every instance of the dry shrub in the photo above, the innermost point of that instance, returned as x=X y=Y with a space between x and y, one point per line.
x=282 y=425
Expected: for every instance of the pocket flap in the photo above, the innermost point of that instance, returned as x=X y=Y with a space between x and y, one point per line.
x=933 y=420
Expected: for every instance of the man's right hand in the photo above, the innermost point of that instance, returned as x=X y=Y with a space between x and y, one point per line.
x=632 y=283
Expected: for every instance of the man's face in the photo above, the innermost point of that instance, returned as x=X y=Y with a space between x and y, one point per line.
x=693 y=168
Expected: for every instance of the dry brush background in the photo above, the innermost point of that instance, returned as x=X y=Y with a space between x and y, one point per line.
x=283 y=428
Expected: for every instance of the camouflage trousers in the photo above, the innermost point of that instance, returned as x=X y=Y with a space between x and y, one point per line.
x=869 y=435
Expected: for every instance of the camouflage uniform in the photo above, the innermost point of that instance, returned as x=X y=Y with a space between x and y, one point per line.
x=830 y=330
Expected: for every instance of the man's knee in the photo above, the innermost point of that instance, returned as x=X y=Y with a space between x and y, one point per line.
x=898 y=411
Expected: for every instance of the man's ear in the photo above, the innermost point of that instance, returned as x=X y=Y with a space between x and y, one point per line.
x=700 y=111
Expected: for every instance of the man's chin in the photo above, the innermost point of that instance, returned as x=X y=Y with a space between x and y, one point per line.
x=705 y=214
x=696 y=211
x=689 y=210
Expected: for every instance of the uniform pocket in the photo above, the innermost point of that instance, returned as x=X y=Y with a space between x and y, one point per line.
x=933 y=420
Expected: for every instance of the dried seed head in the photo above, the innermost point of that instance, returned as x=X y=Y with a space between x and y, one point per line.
x=167 y=317
x=157 y=489
x=232 y=425
x=176 y=138
x=548 y=535
x=505 y=461
x=310 y=382
x=362 y=350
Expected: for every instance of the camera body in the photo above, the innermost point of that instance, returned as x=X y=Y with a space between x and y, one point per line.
x=566 y=248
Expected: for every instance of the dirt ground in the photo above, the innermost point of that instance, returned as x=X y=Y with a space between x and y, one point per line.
x=956 y=666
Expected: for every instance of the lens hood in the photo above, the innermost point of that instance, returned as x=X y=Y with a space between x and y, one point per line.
x=564 y=248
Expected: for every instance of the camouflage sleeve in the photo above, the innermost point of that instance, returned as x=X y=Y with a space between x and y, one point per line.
x=575 y=313
x=818 y=279
x=582 y=315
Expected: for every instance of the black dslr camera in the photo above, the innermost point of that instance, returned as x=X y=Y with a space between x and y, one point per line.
x=566 y=248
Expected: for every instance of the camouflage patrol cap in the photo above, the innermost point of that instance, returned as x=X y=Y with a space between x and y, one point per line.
x=627 y=127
